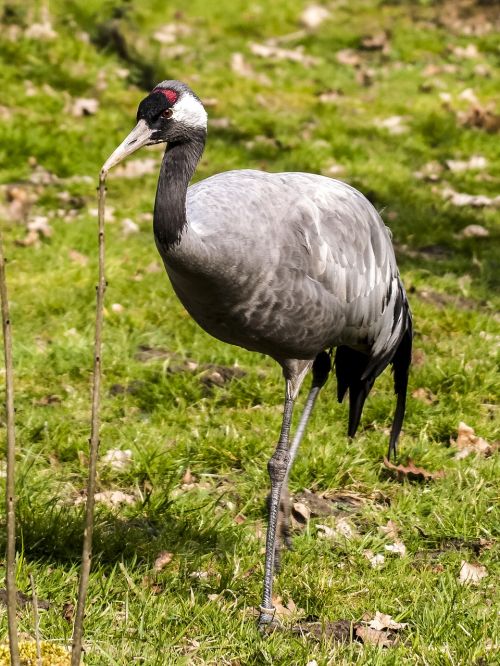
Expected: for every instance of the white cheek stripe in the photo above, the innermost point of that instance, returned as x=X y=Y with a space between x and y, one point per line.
x=190 y=112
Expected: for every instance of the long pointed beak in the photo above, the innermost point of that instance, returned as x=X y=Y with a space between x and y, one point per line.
x=138 y=137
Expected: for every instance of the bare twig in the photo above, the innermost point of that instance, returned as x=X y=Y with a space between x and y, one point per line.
x=94 y=440
x=37 y=620
x=10 y=490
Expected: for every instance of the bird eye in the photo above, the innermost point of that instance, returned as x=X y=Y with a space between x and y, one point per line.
x=167 y=113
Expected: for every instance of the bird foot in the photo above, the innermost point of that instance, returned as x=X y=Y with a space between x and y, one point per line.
x=267 y=622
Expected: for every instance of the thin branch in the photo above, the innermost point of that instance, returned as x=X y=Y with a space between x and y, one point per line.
x=94 y=440
x=37 y=620
x=10 y=489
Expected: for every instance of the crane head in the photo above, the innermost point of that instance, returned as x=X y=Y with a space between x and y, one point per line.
x=170 y=113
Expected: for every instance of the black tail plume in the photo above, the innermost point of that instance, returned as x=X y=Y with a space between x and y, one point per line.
x=401 y=365
x=349 y=368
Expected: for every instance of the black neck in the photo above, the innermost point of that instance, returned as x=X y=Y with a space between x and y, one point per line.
x=177 y=168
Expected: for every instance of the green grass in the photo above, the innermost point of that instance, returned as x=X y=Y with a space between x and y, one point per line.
x=225 y=435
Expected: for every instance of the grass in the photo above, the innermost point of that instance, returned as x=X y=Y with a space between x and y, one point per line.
x=169 y=419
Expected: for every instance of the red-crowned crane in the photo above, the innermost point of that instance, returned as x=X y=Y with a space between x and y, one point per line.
x=287 y=264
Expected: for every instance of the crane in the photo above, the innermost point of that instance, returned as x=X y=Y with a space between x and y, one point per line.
x=292 y=265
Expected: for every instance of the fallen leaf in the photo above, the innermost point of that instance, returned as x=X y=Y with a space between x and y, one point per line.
x=474 y=231
x=391 y=530
x=375 y=560
x=379 y=41
x=78 y=258
x=41 y=225
x=137 y=168
x=393 y=124
x=468 y=52
x=31 y=238
x=412 y=473
x=40 y=31
x=313 y=16
x=424 y=395
x=301 y=515
x=117 y=459
x=468 y=442
x=109 y=498
x=162 y=560
x=374 y=637
x=382 y=621
x=271 y=52
x=431 y=172
x=68 y=611
x=348 y=57
x=129 y=227
x=397 y=547
x=84 y=106
x=330 y=96
x=285 y=610
x=475 y=200
x=342 y=529
x=481 y=117
x=471 y=574
x=188 y=477
x=170 y=32
x=475 y=162
x=117 y=308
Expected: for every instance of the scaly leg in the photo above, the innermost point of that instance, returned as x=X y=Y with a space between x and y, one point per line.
x=320 y=370
x=279 y=468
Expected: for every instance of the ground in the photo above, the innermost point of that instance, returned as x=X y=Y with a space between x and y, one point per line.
x=398 y=99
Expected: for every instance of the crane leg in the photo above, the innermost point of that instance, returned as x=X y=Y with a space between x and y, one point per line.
x=279 y=467
x=320 y=371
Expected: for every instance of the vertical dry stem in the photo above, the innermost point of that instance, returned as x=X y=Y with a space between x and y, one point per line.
x=10 y=496
x=94 y=441
x=36 y=620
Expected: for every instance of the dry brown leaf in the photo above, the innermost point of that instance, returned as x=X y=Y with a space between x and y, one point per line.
x=382 y=621
x=301 y=515
x=162 y=560
x=137 y=168
x=482 y=117
x=188 y=477
x=431 y=172
x=374 y=637
x=313 y=16
x=78 y=258
x=285 y=610
x=391 y=530
x=348 y=57
x=31 y=238
x=109 y=498
x=117 y=459
x=411 y=472
x=471 y=574
x=425 y=395
x=394 y=124
x=129 y=227
x=342 y=529
x=468 y=52
x=375 y=560
x=68 y=611
x=170 y=32
x=379 y=41
x=397 y=547
x=272 y=52
x=475 y=162
x=468 y=442
x=84 y=106
x=474 y=231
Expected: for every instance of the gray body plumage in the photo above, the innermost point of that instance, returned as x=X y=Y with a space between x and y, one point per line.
x=287 y=264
